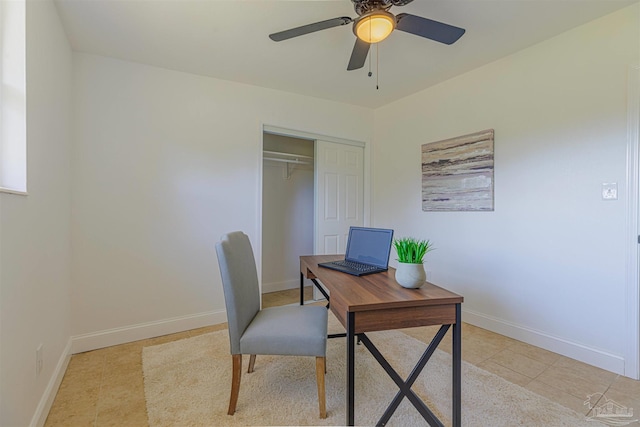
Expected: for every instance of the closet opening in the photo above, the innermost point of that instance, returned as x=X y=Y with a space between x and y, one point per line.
x=288 y=207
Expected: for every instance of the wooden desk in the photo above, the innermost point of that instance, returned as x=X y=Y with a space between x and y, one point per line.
x=376 y=302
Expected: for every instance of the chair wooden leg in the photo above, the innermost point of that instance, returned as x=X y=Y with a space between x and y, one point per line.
x=252 y=362
x=320 y=369
x=235 y=382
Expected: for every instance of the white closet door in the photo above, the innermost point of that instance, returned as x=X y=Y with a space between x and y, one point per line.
x=339 y=194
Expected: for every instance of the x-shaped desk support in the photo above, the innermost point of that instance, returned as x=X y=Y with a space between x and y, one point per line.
x=405 y=386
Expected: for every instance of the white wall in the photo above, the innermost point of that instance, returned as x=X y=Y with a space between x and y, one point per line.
x=35 y=231
x=164 y=163
x=287 y=214
x=548 y=265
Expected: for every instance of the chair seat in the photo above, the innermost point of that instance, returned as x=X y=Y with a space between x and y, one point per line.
x=289 y=330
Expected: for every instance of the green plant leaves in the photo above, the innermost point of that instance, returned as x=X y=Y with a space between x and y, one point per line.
x=410 y=250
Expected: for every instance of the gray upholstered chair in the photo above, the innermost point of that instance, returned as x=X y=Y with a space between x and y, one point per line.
x=289 y=330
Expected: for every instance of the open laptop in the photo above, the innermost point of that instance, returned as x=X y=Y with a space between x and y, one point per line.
x=367 y=252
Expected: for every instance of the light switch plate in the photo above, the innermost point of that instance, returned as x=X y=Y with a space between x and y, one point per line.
x=609 y=191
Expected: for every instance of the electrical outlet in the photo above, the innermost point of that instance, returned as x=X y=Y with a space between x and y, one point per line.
x=39 y=359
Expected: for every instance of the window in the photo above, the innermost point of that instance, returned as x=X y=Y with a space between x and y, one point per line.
x=13 y=129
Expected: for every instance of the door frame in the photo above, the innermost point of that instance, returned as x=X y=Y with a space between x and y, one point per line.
x=296 y=133
x=632 y=297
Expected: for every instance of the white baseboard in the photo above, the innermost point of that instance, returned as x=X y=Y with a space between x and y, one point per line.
x=46 y=401
x=280 y=286
x=116 y=336
x=591 y=356
x=93 y=341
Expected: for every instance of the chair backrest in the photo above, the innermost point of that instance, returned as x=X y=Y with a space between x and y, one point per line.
x=240 y=284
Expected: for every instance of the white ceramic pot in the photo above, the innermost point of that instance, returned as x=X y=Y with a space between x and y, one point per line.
x=410 y=275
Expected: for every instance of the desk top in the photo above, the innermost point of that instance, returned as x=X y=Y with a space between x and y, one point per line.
x=374 y=291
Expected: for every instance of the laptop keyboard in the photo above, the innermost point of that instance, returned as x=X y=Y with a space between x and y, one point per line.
x=356 y=265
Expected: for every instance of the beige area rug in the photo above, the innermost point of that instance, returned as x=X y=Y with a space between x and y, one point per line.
x=187 y=383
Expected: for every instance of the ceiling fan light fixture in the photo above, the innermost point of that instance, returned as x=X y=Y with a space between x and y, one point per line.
x=375 y=26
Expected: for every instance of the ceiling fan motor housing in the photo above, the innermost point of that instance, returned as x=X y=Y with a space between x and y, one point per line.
x=363 y=7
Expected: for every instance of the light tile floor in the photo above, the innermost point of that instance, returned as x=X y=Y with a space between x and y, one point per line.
x=105 y=387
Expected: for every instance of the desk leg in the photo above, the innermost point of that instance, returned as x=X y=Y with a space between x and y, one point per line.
x=301 y=288
x=457 y=368
x=350 y=368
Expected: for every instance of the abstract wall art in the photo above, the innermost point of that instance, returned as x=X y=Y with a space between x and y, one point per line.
x=457 y=173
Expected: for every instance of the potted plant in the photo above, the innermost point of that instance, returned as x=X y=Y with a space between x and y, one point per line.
x=410 y=272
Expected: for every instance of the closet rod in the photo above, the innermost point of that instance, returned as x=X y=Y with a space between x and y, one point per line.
x=296 y=156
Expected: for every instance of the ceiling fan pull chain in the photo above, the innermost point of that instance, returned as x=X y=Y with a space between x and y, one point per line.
x=377 y=65
x=370 y=73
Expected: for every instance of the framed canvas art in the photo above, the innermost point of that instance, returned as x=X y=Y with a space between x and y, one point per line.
x=457 y=173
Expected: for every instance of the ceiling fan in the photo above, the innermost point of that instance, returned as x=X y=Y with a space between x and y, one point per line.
x=374 y=24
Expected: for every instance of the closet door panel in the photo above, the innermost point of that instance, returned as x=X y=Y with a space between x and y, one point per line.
x=339 y=172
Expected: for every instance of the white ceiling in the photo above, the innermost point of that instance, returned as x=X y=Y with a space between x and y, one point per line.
x=228 y=39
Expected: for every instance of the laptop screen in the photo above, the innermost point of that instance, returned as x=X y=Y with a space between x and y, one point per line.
x=369 y=246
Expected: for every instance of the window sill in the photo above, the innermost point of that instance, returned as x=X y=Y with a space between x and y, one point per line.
x=10 y=191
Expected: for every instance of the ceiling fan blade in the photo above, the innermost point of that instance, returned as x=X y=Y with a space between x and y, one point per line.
x=358 y=55
x=310 y=28
x=423 y=27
